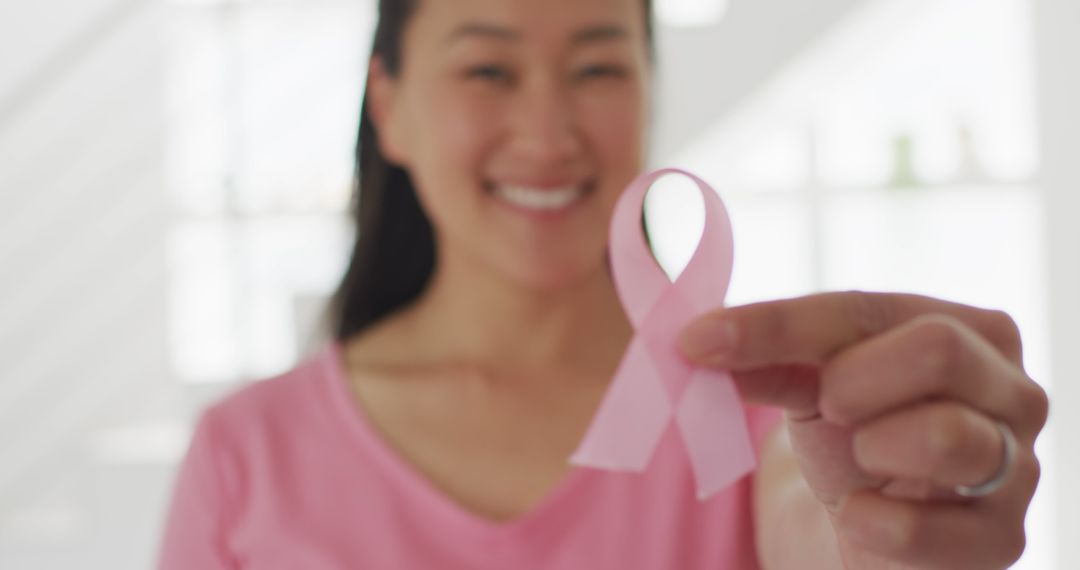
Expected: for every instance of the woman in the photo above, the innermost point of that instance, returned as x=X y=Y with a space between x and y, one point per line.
x=477 y=330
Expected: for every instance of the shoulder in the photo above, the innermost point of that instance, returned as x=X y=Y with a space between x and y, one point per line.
x=271 y=405
x=242 y=435
x=241 y=442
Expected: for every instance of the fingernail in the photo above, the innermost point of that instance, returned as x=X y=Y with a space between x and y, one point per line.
x=710 y=339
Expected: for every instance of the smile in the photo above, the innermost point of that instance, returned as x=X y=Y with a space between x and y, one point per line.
x=546 y=200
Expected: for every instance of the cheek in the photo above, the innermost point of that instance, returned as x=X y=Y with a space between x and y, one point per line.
x=451 y=134
x=459 y=127
x=616 y=129
x=613 y=115
x=616 y=125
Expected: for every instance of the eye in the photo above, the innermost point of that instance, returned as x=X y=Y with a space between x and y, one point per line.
x=600 y=71
x=490 y=72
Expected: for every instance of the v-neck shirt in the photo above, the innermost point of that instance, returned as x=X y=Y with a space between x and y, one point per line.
x=288 y=473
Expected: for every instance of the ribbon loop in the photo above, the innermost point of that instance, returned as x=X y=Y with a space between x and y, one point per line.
x=653 y=382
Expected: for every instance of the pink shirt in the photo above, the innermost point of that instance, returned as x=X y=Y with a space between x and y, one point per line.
x=287 y=473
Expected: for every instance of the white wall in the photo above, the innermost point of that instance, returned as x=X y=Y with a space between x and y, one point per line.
x=705 y=72
x=83 y=273
x=1058 y=46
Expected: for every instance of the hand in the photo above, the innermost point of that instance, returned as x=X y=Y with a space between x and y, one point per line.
x=891 y=401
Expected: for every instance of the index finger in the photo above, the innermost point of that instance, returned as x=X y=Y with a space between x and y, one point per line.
x=811 y=329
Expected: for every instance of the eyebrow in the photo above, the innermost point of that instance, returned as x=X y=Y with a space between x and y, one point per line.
x=484 y=31
x=588 y=35
x=600 y=34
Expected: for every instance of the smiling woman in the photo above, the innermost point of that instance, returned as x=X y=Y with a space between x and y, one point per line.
x=496 y=80
x=477 y=329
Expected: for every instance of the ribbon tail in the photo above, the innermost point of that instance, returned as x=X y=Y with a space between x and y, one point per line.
x=631 y=418
x=713 y=425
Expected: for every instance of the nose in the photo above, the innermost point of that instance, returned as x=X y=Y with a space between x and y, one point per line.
x=544 y=125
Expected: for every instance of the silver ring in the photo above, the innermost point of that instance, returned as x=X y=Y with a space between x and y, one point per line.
x=1004 y=470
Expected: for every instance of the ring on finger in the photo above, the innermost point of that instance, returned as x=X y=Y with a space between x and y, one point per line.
x=1009 y=448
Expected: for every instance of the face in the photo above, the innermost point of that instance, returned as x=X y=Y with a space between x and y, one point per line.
x=520 y=122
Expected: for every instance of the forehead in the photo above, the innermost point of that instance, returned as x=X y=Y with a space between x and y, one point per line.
x=550 y=21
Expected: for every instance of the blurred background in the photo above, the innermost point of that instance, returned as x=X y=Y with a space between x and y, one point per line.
x=173 y=177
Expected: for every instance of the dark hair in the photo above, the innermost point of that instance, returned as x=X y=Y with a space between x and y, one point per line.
x=394 y=254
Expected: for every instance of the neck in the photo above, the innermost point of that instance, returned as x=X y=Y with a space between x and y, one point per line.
x=472 y=316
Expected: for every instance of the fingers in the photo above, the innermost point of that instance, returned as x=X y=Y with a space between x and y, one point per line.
x=933 y=535
x=792 y=387
x=942 y=442
x=907 y=390
x=931 y=356
x=809 y=330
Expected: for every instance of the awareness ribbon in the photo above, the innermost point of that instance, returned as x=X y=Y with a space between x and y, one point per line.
x=653 y=380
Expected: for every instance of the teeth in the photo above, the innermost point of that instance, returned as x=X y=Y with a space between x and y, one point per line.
x=551 y=199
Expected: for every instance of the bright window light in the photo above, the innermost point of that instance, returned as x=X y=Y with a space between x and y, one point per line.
x=690 y=13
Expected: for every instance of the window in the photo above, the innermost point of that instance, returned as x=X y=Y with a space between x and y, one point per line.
x=263 y=113
x=897 y=154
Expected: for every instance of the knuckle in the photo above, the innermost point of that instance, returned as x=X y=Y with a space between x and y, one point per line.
x=1004 y=332
x=1012 y=539
x=1012 y=544
x=942 y=344
x=1034 y=471
x=777 y=326
x=1036 y=403
x=1004 y=323
x=1027 y=474
x=870 y=312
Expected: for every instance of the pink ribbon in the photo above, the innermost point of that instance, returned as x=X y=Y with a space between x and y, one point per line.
x=653 y=381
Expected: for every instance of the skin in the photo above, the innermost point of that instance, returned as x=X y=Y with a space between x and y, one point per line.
x=890 y=402
x=889 y=398
x=520 y=324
